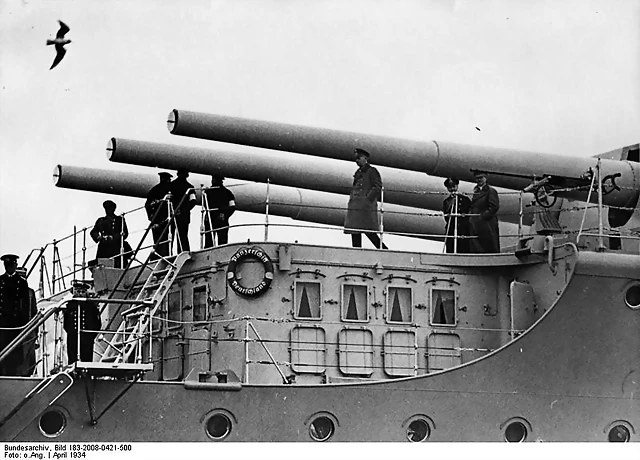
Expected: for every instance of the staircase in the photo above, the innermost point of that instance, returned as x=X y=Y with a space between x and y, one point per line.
x=125 y=346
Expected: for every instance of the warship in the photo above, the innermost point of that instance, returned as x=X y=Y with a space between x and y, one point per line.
x=298 y=341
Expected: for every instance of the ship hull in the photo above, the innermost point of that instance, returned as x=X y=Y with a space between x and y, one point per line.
x=573 y=376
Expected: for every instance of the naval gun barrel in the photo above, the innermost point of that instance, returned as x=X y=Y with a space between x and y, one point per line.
x=299 y=204
x=508 y=168
x=407 y=188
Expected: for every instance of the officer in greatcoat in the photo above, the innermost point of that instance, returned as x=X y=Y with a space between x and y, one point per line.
x=85 y=316
x=157 y=205
x=110 y=232
x=362 y=209
x=484 y=224
x=15 y=312
x=221 y=203
x=456 y=223
x=183 y=197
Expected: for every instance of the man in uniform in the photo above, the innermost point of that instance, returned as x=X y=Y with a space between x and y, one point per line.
x=222 y=205
x=157 y=201
x=484 y=224
x=456 y=225
x=183 y=197
x=15 y=312
x=84 y=316
x=110 y=232
x=362 y=210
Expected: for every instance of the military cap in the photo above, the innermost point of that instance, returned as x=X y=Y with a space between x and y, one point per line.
x=79 y=284
x=478 y=172
x=358 y=151
x=451 y=181
x=165 y=174
x=109 y=204
x=218 y=176
x=9 y=258
x=182 y=172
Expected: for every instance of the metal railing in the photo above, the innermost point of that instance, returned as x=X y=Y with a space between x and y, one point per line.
x=62 y=260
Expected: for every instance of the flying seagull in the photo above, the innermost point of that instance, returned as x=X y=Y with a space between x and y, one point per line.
x=59 y=41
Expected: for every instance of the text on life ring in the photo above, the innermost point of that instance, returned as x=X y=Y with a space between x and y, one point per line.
x=239 y=257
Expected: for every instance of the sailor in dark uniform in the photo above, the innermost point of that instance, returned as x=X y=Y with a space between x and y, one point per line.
x=222 y=205
x=456 y=225
x=183 y=197
x=83 y=315
x=110 y=232
x=158 y=200
x=15 y=312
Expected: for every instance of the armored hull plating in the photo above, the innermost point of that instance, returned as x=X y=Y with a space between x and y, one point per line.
x=547 y=350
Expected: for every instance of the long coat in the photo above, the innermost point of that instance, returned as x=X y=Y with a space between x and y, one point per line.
x=15 y=311
x=486 y=203
x=362 y=210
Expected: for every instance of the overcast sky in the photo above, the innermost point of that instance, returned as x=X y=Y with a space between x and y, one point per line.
x=551 y=76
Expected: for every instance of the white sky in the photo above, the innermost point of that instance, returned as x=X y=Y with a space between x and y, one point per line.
x=551 y=76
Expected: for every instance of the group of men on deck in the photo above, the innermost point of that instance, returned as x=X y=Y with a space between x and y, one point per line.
x=177 y=198
x=168 y=206
x=471 y=224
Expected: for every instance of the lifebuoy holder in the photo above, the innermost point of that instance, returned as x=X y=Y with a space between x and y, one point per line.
x=240 y=256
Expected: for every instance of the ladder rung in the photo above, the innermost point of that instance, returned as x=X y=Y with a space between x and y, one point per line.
x=134 y=309
x=152 y=286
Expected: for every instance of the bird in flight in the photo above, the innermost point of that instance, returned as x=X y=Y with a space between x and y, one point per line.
x=59 y=41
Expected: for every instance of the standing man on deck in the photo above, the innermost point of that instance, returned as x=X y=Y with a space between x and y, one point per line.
x=183 y=197
x=362 y=210
x=221 y=205
x=15 y=308
x=454 y=207
x=484 y=224
x=84 y=317
x=110 y=232
x=158 y=201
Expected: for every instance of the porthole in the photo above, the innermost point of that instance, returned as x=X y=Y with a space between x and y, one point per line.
x=619 y=433
x=418 y=430
x=515 y=432
x=321 y=428
x=218 y=426
x=52 y=423
x=632 y=297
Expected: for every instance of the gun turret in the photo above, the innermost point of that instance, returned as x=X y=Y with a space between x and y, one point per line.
x=569 y=177
x=407 y=188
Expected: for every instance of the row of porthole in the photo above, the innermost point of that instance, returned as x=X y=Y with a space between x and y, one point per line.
x=419 y=429
x=218 y=426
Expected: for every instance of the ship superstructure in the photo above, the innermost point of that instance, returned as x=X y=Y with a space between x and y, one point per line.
x=290 y=341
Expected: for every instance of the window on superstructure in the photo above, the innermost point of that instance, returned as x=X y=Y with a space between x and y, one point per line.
x=308 y=296
x=200 y=303
x=443 y=307
x=355 y=303
x=399 y=303
x=174 y=309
